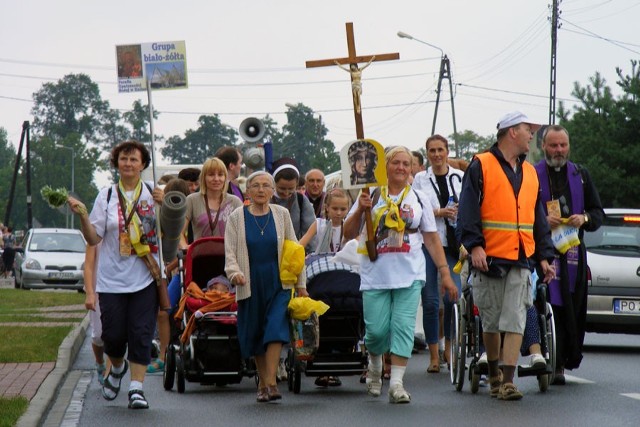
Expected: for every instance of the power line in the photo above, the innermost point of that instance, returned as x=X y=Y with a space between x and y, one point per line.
x=296 y=83
x=191 y=70
x=511 y=92
x=597 y=36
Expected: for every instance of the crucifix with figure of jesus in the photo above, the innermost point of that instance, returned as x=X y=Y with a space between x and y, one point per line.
x=353 y=61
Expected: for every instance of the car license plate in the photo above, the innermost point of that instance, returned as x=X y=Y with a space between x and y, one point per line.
x=60 y=275
x=626 y=306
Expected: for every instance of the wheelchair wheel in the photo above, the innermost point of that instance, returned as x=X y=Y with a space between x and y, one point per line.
x=458 y=353
x=169 y=374
x=551 y=339
x=543 y=382
x=180 y=373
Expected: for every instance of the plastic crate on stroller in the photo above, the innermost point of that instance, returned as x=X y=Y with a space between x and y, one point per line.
x=341 y=327
x=209 y=351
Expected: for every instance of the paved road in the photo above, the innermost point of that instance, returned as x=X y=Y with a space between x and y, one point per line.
x=605 y=391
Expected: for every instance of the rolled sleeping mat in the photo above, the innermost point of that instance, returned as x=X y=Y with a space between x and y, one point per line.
x=172 y=219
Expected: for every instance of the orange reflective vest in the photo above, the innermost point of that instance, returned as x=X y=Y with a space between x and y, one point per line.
x=507 y=221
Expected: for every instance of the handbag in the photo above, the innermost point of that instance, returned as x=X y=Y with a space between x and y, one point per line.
x=305 y=337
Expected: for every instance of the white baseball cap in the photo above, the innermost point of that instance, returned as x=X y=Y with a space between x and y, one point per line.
x=515 y=118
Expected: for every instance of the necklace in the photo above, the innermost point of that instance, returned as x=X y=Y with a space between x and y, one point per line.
x=265 y=224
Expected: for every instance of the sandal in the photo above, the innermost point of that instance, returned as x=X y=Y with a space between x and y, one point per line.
x=273 y=392
x=509 y=391
x=334 y=382
x=322 y=381
x=434 y=368
x=263 y=395
x=155 y=366
x=107 y=382
x=137 y=400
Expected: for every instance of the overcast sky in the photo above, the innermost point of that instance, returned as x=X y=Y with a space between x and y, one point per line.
x=247 y=58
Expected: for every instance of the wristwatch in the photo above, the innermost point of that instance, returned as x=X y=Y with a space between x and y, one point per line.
x=586 y=218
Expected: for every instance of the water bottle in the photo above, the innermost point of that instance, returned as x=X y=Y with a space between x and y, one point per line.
x=452 y=204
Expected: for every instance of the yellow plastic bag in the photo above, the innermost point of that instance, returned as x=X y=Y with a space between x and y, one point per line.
x=301 y=308
x=292 y=262
x=564 y=237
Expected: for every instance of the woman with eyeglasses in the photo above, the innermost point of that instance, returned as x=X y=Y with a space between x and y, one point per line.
x=254 y=240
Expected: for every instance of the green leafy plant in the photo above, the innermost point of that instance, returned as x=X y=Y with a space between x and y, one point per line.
x=55 y=198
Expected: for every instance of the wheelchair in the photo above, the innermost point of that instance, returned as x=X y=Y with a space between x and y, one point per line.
x=466 y=342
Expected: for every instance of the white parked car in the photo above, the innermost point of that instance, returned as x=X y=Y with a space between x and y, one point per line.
x=614 y=273
x=51 y=258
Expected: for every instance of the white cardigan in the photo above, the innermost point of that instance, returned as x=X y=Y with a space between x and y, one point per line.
x=237 y=254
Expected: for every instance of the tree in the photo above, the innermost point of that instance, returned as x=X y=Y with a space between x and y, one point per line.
x=138 y=119
x=470 y=143
x=304 y=140
x=200 y=144
x=71 y=105
x=7 y=159
x=115 y=131
x=605 y=135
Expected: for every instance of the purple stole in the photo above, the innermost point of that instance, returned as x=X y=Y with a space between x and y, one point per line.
x=235 y=190
x=577 y=205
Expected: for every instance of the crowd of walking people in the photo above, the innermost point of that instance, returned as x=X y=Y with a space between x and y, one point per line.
x=494 y=212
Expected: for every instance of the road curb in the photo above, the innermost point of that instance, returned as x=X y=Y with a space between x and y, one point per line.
x=66 y=355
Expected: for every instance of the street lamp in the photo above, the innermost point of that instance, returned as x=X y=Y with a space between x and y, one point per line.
x=73 y=173
x=445 y=73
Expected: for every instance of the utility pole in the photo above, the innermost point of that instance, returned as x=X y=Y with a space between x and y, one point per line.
x=554 y=42
x=445 y=73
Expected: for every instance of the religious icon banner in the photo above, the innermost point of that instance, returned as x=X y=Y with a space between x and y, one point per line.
x=164 y=64
x=363 y=164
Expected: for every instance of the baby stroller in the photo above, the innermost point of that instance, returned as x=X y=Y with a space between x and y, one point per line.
x=209 y=352
x=466 y=341
x=341 y=327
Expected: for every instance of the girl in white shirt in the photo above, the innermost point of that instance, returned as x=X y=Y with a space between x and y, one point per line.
x=329 y=231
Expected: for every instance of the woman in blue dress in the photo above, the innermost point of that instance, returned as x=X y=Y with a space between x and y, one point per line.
x=254 y=239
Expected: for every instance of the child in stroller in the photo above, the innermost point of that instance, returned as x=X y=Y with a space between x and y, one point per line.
x=208 y=351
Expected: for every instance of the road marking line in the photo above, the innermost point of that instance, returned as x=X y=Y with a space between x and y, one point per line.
x=631 y=395
x=571 y=378
x=74 y=410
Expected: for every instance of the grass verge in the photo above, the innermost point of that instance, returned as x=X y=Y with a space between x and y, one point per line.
x=13 y=299
x=23 y=318
x=26 y=344
x=12 y=408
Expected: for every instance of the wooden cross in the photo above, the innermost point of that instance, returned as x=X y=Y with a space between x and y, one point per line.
x=356 y=89
x=352 y=60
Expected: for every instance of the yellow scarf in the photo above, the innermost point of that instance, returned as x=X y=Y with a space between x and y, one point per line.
x=135 y=230
x=392 y=220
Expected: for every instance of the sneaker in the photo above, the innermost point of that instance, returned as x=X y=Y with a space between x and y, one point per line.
x=100 y=369
x=509 y=391
x=483 y=361
x=537 y=361
x=282 y=372
x=397 y=394
x=137 y=400
x=374 y=383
